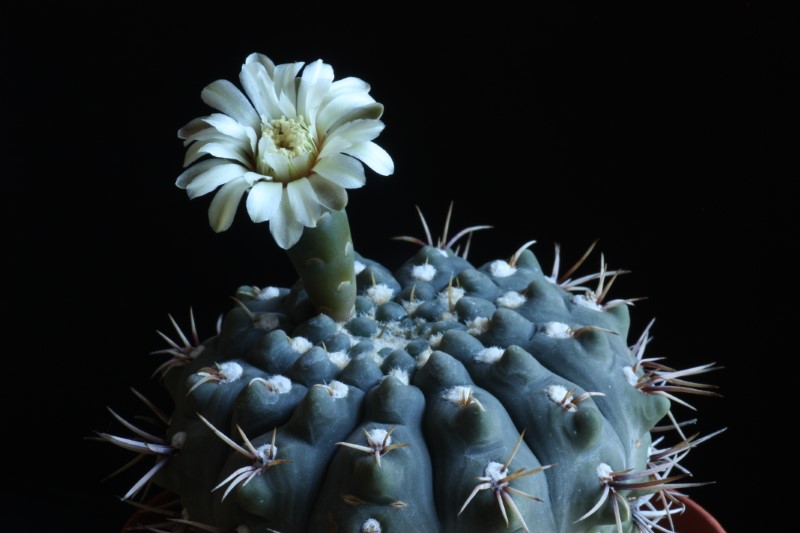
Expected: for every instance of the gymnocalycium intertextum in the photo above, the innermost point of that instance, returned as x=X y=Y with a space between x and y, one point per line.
x=440 y=397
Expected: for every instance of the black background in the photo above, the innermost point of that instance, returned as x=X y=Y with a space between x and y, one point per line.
x=668 y=135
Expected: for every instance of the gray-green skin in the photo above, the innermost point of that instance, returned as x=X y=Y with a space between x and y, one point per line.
x=434 y=341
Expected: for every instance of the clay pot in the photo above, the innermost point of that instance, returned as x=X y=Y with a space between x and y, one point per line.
x=695 y=519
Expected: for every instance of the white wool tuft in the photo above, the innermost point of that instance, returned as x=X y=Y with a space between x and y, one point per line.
x=501 y=269
x=495 y=472
x=558 y=394
x=231 y=371
x=178 y=440
x=457 y=394
x=435 y=340
x=604 y=471
x=371 y=526
x=410 y=306
x=557 y=330
x=340 y=359
x=301 y=345
x=423 y=357
x=377 y=435
x=478 y=326
x=400 y=374
x=511 y=299
x=490 y=355
x=265 y=451
x=424 y=272
x=338 y=389
x=630 y=375
x=452 y=295
x=380 y=293
x=268 y=293
x=587 y=302
x=279 y=384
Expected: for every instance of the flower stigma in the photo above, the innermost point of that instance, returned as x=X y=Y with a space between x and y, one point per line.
x=289 y=138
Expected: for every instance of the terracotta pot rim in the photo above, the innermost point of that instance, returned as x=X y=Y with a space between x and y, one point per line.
x=695 y=515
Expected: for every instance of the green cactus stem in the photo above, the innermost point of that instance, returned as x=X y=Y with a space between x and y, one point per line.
x=325 y=261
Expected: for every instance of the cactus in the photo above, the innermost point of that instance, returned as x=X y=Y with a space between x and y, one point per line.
x=441 y=397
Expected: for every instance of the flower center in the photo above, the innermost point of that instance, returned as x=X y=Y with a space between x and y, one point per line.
x=286 y=149
x=290 y=137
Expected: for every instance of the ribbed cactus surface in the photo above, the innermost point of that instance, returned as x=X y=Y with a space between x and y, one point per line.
x=456 y=398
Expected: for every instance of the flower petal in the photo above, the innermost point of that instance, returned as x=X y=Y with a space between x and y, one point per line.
x=225 y=151
x=332 y=146
x=193 y=127
x=284 y=227
x=224 y=96
x=278 y=162
x=373 y=156
x=316 y=80
x=304 y=202
x=195 y=170
x=285 y=87
x=263 y=200
x=207 y=134
x=254 y=177
x=260 y=89
x=265 y=62
x=227 y=126
x=342 y=170
x=245 y=138
x=213 y=178
x=329 y=194
x=193 y=152
x=343 y=96
x=368 y=111
x=347 y=85
x=223 y=206
x=359 y=131
x=332 y=111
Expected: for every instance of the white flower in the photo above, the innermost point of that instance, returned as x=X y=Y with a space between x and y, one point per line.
x=293 y=143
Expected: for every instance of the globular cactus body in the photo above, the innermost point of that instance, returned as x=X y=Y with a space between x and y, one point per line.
x=409 y=415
